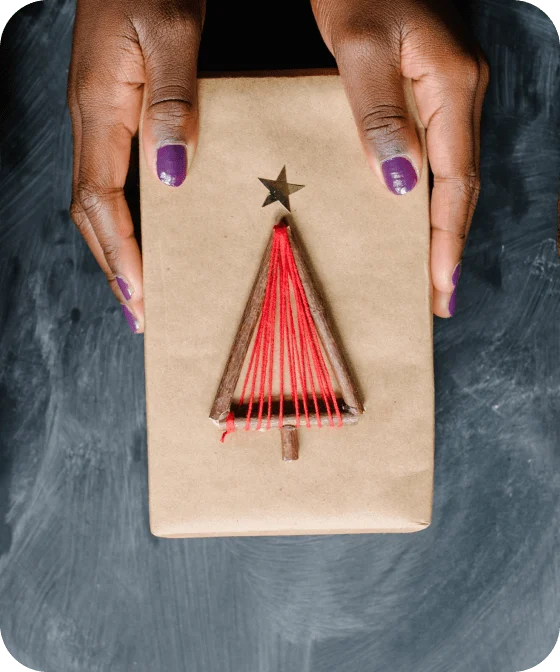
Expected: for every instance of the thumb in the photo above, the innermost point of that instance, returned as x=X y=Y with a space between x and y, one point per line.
x=370 y=70
x=170 y=123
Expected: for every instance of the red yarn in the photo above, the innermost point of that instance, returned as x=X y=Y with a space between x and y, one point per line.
x=230 y=425
x=299 y=348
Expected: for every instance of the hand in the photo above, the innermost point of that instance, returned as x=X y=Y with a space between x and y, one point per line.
x=122 y=48
x=378 y=42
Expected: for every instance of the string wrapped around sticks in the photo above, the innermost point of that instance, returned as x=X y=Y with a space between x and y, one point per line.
x=293 y=337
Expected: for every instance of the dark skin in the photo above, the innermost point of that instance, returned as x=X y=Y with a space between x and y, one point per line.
x=125 y=46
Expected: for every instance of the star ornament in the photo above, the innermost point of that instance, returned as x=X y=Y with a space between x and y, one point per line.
x=280 y=190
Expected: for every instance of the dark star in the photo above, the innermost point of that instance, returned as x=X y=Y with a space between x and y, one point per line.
x=280 y=190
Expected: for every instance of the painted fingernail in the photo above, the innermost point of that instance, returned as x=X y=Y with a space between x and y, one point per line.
x=172 y=164
x=399 y=175
x=130 y=319
x=455 y=280
x=124 y=287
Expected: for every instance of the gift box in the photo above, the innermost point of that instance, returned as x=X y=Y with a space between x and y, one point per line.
x=280 y=191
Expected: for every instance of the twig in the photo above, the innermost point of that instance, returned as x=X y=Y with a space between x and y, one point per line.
x=325 y=330
x=228 y=383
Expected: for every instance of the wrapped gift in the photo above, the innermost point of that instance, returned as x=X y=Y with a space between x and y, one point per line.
x=289 y=371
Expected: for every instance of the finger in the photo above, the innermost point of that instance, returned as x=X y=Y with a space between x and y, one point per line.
x=170 y=126
x=453 y=144
x=108 y=118
x=370 y=70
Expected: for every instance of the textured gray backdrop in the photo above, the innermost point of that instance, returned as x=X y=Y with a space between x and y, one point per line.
x=83 y=585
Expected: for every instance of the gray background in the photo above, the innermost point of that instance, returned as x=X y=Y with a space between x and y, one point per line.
x=83 y=585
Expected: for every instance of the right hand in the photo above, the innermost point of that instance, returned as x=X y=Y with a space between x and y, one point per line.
x=376 y=44
x=122 y=48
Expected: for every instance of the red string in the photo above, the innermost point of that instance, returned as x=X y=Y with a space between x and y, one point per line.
x=299 y=349
x=230 y=426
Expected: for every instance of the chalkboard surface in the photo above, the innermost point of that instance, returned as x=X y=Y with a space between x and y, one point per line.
x=84 y=587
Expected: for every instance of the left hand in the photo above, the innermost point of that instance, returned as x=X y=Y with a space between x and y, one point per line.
x=121 y=50
x=377 y=43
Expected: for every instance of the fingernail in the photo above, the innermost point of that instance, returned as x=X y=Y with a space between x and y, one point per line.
x=172 y=164
x=130 y=319
x=124 y=287
x=399 y=175
x=455 y=280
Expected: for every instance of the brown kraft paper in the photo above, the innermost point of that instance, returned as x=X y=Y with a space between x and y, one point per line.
x=369 y=249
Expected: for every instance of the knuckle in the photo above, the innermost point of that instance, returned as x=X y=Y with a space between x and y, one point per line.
x=111 y=254
x=104 y=236
x=89 y=198
x=171 y=104
x=471 y=186
x=466 y=187
x=383 y=124
x=92 y=198
x=79 y=217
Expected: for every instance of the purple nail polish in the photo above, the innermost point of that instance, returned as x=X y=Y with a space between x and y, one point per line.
x=125 y=289
x=130 y=319
x=399 y=175
x=172 y=164
x=455 y=280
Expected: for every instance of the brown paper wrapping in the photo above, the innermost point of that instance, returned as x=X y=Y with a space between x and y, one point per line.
x=202 y=244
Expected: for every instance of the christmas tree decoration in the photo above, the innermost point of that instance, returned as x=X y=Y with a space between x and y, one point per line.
x=294 y=342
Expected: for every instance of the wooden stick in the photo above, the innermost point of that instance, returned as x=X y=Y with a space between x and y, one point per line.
x=324 y=327
x=228 y=383
x=290 y=443
x=240 y=422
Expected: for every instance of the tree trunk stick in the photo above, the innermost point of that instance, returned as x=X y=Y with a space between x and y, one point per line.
x=290 y=443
